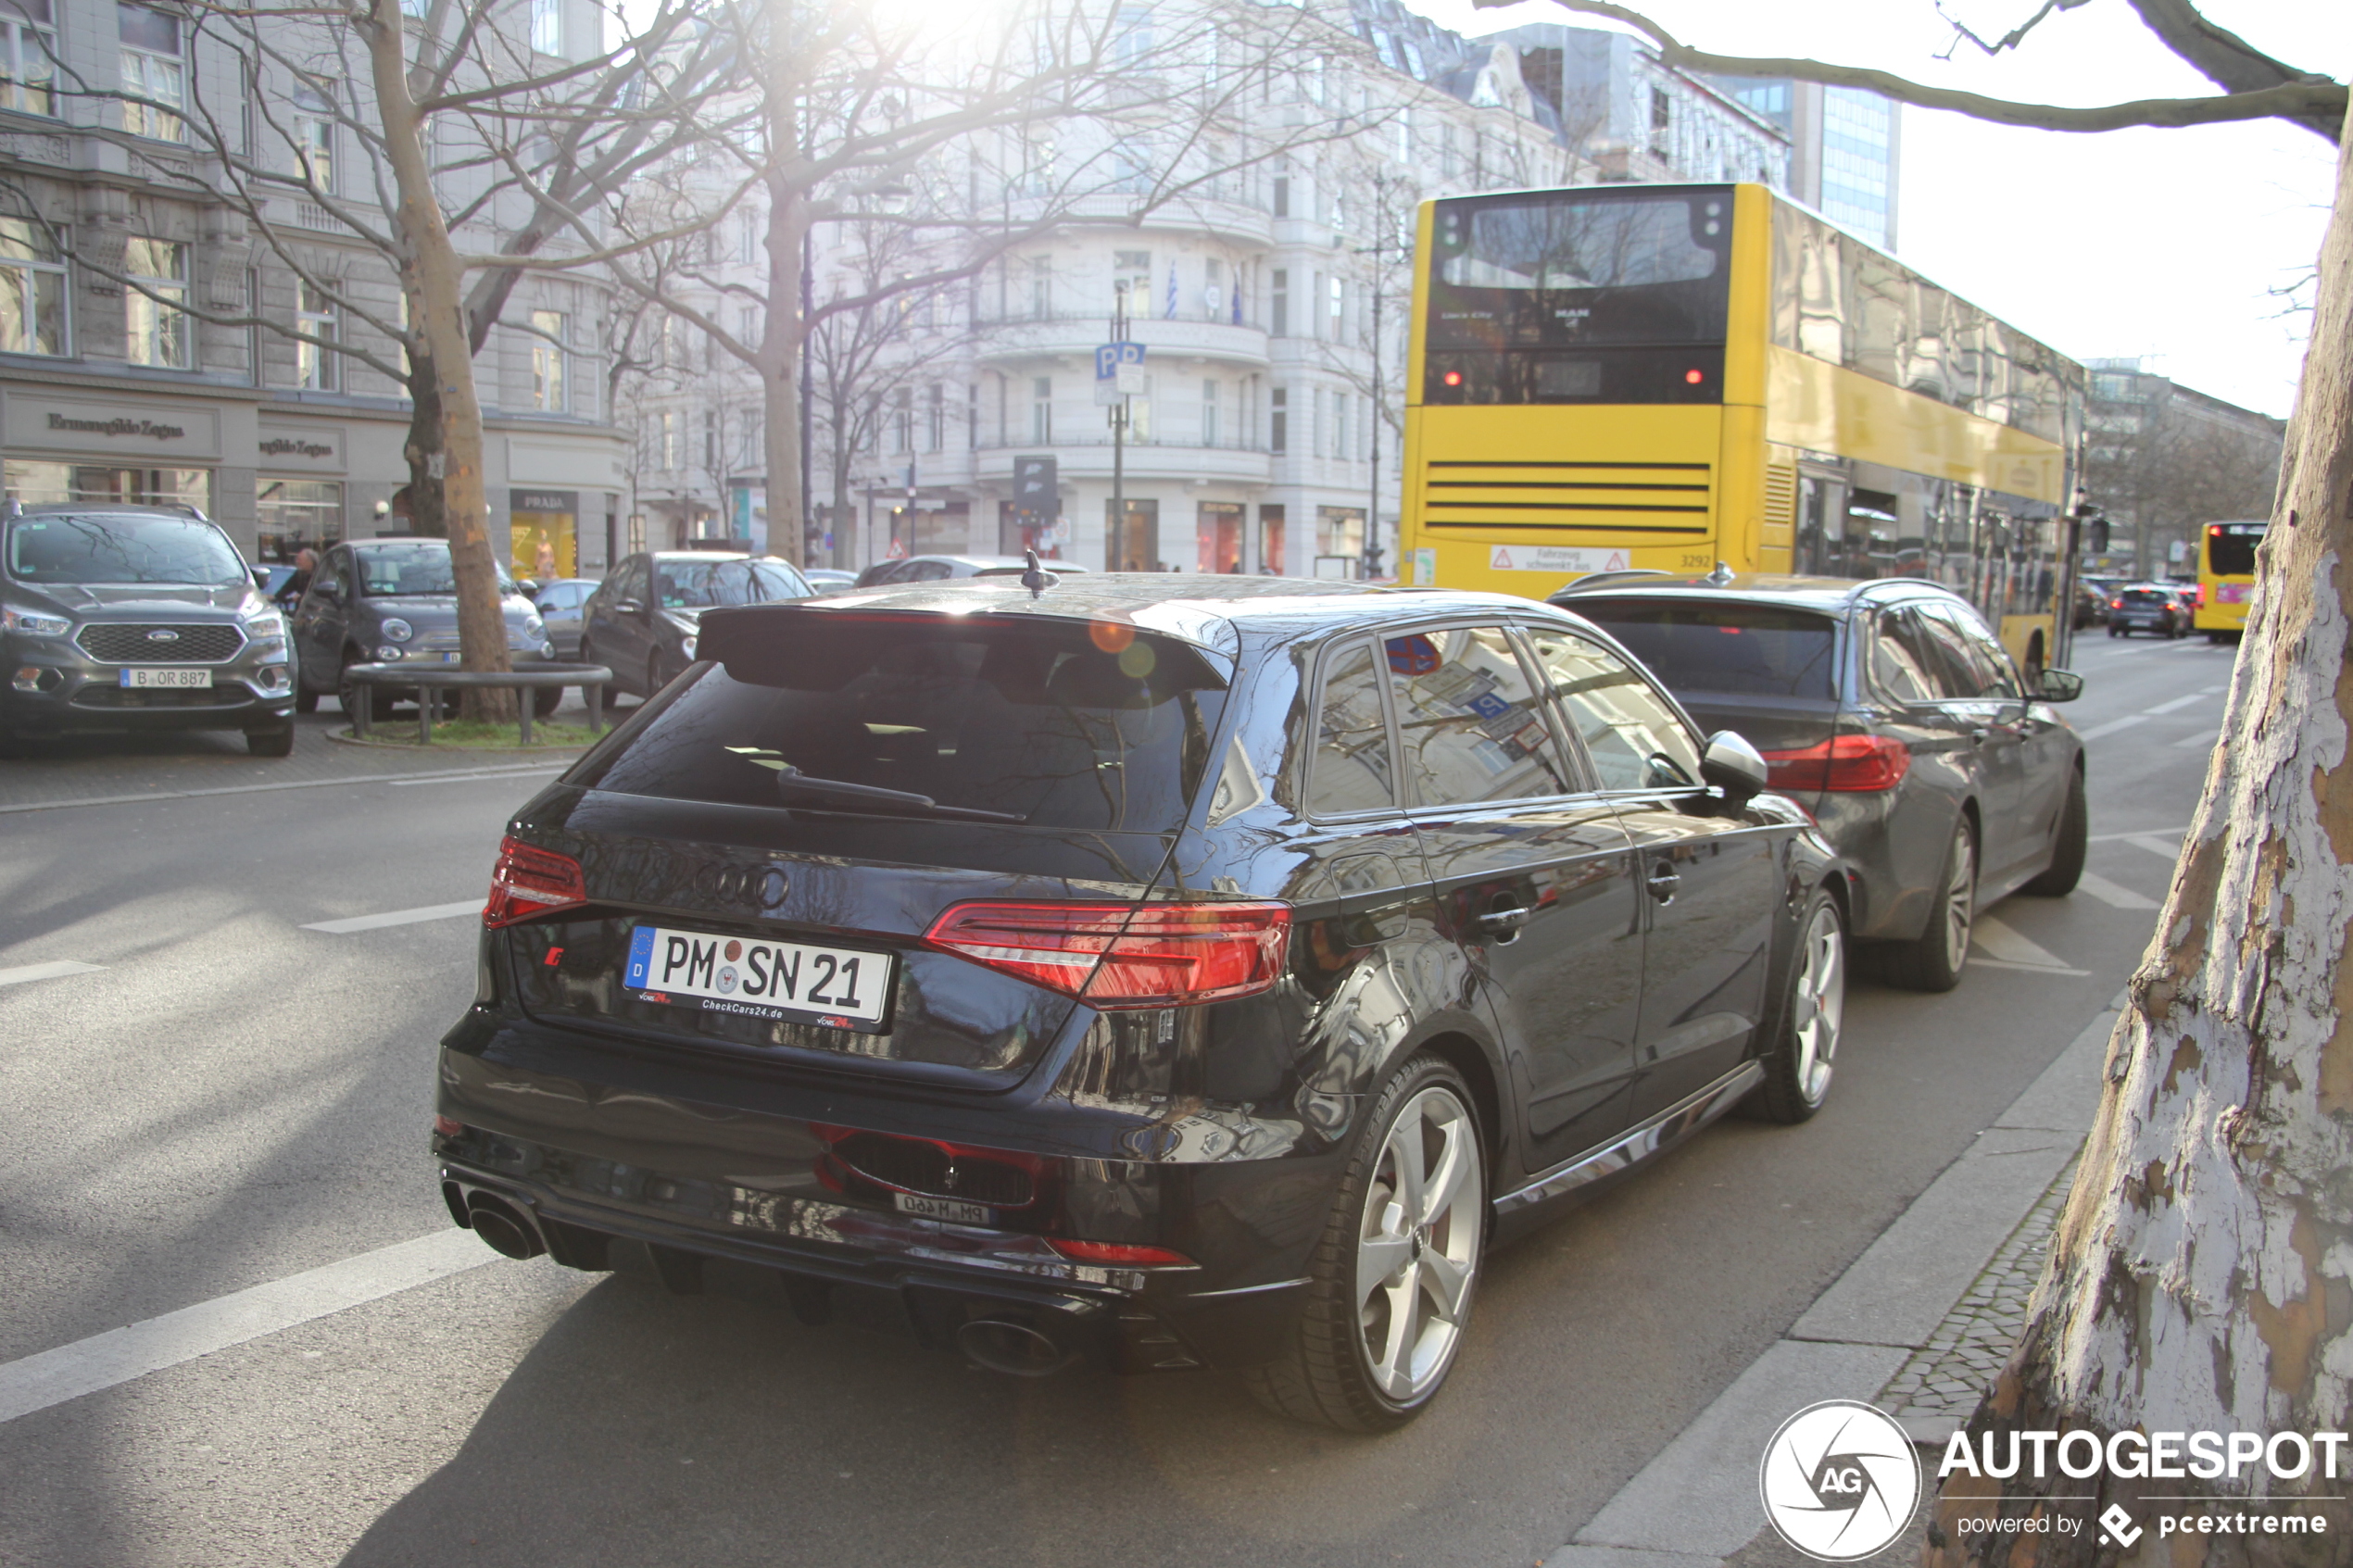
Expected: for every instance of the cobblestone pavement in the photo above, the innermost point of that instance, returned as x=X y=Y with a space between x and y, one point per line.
x=86 y=769
x=1938 y=1389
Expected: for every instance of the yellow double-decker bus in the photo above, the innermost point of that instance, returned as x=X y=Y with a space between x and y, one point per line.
x=1619 y=377
x=2226 y=577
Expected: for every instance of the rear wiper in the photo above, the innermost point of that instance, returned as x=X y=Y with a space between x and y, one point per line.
x=792 y=781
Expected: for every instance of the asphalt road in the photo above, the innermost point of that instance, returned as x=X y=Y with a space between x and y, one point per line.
x=230 y=1098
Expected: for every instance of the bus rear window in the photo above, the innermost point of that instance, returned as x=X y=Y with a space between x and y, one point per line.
x=1577 y=267
x=1725 y=649
x=2229 y=550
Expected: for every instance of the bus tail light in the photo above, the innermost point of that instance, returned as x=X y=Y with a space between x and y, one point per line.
x=1847 y=764
x=1124 y=955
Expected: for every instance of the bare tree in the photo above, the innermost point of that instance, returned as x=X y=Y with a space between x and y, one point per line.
x=2179 y=469
x=2197 y=1280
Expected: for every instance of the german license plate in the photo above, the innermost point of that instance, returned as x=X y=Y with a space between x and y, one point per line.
x=845 y=988
x=169 y=678
x=943 y=1209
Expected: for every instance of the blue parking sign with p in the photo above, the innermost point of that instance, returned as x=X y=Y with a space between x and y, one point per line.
x=1109 y=357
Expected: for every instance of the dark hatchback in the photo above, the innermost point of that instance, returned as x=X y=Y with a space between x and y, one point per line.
x=643 y=619
x=2148 y=606
x=1185 y=982
x=124 y=618
x=1890 y=713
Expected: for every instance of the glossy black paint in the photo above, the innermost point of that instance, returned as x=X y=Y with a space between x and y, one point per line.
x=2003 y=759
x=1217 y=1131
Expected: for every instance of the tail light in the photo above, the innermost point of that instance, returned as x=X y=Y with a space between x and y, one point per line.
x=1124 y=955
x=2116 y=604
x=1860 y=764
x=1119 y=1254
x=529 y=881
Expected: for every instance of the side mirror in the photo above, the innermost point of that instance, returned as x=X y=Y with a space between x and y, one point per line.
x=1733 y=766
x=2061 y=685
x=329 y=589
x=629 y=606
x=527 y=588
x=261 y=577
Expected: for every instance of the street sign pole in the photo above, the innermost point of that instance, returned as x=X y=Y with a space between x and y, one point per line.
x=1114 y=550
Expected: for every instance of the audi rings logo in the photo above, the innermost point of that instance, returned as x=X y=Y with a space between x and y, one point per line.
x=1838 y=1481
x=715 y=883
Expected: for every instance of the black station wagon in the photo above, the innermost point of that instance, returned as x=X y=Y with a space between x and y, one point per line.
x=1075 y=969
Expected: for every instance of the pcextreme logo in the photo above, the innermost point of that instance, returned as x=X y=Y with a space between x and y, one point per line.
x=1838 y=1481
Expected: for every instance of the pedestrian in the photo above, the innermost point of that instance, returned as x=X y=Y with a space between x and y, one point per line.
x=290 y=594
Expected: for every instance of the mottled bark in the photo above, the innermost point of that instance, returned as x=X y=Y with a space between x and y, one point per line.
x=2201 y=1278
x=422 y=495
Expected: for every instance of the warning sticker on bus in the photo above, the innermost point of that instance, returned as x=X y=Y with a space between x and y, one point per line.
x=1553 y=559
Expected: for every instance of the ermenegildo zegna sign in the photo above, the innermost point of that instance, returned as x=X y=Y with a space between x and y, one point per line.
x=45 y=424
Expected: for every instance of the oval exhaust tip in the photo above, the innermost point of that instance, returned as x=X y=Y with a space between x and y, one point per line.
x=1013 y=1347
x=503 y=1229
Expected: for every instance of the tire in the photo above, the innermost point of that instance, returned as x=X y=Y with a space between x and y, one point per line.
x=2068 y=846
x=1327 y=1374
x=271 y=742
x=545 y=700
x=2116 y=632
x=1933 y=960
x=1803 y=1043
x=655 y=680
x=305 y=700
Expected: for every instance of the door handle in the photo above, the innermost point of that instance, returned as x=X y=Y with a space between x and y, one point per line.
x=1664 y=879
x=1504 y=922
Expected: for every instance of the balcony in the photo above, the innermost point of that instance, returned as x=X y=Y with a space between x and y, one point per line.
x=1089 y=457
x=1191 y=213
x=1075 y=336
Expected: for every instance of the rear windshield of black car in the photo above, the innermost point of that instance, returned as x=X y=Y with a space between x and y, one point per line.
x=1067 y=724
x=1730 y=649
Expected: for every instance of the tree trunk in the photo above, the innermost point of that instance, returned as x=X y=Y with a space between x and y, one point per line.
x=434 y=281
x=2201 y=1278
x=423 y=492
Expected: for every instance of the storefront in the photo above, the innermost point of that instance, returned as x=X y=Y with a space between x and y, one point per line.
x=543 y=532
x=297 y=505
x=156 y=452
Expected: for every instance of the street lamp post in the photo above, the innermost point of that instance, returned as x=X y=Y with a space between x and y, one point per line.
x=1116 y=550
x=1368 y=564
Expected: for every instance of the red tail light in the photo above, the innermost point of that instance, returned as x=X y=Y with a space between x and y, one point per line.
x=1120 y=1255
x=1856 y=763
x=2116 y=604
x=529 y=881
x=1125 y=954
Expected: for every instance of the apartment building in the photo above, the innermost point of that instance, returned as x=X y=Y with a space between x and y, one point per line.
x=138 y=279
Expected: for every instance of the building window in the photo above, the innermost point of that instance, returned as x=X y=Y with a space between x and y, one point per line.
x=1213 y=287
x=1209 y=400
x=547 y=27
x=315 y=318
x=1279 y=311
x=1133 y=42
x=1340 y=425
x=1041 y=411
x=1282 y=196
x=711 y=439
x=28 y=58
x=154 y=328
x=1041 y=288
x=548 y=336
x=902 y=419
x=152 y=72
x=972 y=417
x=33 y=289
x=668 y=430
x=1278 y=419
x=935 y=418
x=1336 y=304
x=296 y=514
x=1662 y=123
x=314 y=133
x=748 y=325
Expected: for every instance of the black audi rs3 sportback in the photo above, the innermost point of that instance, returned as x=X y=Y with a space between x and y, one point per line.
x=1173 y=974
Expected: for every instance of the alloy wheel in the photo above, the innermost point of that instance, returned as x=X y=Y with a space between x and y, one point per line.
x=1417 y=1248
x=1820 y=1003
x=1960 y=897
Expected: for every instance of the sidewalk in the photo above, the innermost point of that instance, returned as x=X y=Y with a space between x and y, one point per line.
x=102 y=770
x=1918 y=1326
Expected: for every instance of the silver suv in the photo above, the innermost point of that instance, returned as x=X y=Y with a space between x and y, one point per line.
x=116 y=618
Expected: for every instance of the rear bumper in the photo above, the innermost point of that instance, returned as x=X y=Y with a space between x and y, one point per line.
x=931 y=1277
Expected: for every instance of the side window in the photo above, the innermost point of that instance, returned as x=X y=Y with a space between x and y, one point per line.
x=1350 y=770
x=1468 y=726
x=775 y=580
x=731 y=585
x=1634 y=737
x=928 y=571
x=346 y=578
x=1975 y=653
x=1906 y=664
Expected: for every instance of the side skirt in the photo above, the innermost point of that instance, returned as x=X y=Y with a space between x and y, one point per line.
x=1656 y=1135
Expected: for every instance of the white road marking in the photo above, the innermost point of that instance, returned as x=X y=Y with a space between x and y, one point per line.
x=56 y=969
x=2139 y=833
x=2011 y=945
x=2197 y=743
x=2180 y=702
x=2116 y=895
x=473 y=778
x=435 y=777
x=34 y=1383
x=2163 y=848
x=396 y=917
x=1983 y=962
x=2096 y=731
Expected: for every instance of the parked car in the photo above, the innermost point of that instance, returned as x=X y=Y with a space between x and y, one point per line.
x=559 y=602
x=2147 y=607
x=123 y=618
x=1891 y=713
x=383 y=601
x=2091 y=605
x=828 y=579
x=641 y=622
x=933 y=569
x=1091 y=973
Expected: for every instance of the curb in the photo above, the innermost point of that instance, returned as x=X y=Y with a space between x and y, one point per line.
x=438 y=750
x=1695 y=1503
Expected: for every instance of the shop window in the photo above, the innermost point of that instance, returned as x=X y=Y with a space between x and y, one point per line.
x=1270 y=540
x=1219 y=535
x=292 y=515
x=33 y=289
x=314 y=318
x=39 y=484
x=154 y=75
x=1339 y=541
x=154 y=327
x=28 y=58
